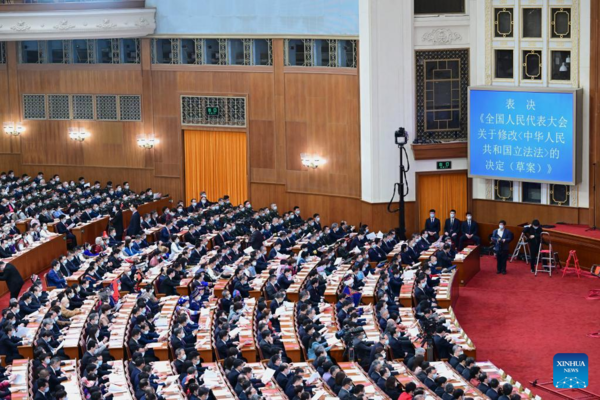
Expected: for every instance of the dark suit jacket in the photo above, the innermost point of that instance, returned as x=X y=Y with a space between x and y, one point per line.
x=256 y=239
x=470 y=230
x=507 y=236
x=432 y=226
x=452 y=227
x=11 y=276
x=135 y=227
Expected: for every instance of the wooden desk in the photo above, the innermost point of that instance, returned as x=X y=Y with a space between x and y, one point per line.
x=88 y=232
x=36 y=259
x=335 y=282
x=205 y=331
x=147 y=208
x=289 y=336
x=20 y=391
x=293 y=292
x=467 y=261
x=469 y=266
x=494 y=372
x=359 y=376
x=405 y=376
x=184 y=288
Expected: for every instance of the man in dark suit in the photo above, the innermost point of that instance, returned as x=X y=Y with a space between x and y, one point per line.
x=432 y=226
x=266 y=345
x=442 y=345
x=135 y=224
x=9 y=344
x=501 y=238
x=10 y=274
x=469 y=231
x=168 y=286
x=42 y=389
x=256 y=237
x=452 y=227
x=61 y=228
x=376 y=254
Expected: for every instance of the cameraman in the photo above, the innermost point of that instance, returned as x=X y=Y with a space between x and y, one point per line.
x=533 y=234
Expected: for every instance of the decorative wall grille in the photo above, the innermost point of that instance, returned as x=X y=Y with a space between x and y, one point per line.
x=83 y=106
x=58 y=106
x=231 y=111
x=106 y=108
x=34 y=106
x=130 y=108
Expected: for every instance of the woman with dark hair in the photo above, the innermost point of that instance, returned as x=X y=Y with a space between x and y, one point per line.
x=392 y=387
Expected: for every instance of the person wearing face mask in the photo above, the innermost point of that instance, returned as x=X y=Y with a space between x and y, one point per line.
x=533 y=234
x=135 y=226
x=43 y=390
x=432 y=226
x=501 y=239
x=452 y=227
x=469 y=229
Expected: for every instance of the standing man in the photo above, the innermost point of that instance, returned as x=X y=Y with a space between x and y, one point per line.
x=452 y=228
x=432 y=226
x=256 y=237
x=135 y=223
x=501 y=238
x=10 y=274
x=533 y=233
x=469 y=230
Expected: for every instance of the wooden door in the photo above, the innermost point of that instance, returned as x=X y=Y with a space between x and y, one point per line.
x=442 y=192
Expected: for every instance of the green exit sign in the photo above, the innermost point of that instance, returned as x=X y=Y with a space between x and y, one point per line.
x=212 y=111
x=444 y=165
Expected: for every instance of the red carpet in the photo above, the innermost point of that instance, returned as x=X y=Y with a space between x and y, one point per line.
x=519 y=321
x=581 y=230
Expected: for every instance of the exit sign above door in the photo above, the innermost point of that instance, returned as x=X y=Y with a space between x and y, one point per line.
x=444 y=165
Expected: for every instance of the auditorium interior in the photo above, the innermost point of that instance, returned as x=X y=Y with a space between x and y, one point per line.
x=294 y=200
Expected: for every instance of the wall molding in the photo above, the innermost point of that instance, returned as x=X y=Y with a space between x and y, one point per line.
x=77 y=24
x=442 y=36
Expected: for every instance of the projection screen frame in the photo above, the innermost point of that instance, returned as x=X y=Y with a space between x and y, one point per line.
x=577 y=136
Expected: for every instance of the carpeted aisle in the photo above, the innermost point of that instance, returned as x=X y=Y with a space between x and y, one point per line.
x=519 y=321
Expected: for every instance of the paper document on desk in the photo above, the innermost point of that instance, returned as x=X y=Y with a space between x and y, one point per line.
x=248 y=250
x=234 y=333
x=371 y=236
x=161 y=322
x=267 y=375
x=19 y=380
x=116 y=389
x=380 y=235
x=313 y=378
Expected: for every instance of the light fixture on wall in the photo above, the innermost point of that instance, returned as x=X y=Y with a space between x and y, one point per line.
x=147 y=143
x=13 y=129
x=77 y=134
x=312 y=161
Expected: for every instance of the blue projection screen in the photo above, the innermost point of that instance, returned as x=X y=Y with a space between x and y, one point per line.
x=531 y=135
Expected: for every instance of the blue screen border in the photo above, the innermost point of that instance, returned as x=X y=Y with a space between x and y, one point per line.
x=577 y=134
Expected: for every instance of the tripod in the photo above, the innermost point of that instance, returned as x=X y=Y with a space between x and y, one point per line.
x=521 y=244
x=593 y=228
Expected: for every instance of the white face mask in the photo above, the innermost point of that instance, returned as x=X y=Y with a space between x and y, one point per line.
x=432 y=215
x=501 y=226
x=452 y=215
x=468 y=217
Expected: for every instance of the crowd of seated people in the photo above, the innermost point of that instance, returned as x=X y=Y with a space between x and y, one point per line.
x=63 y=204
x=206 y=242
